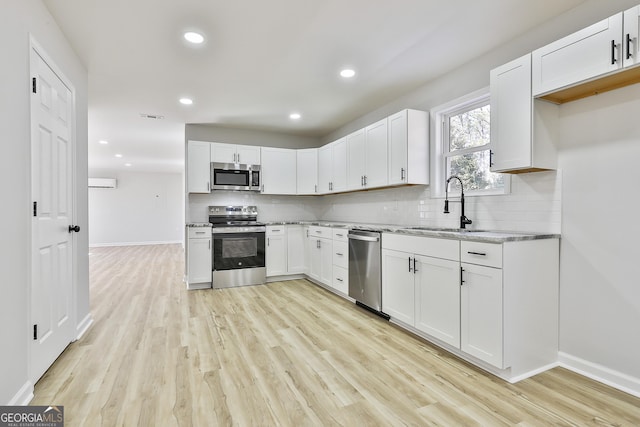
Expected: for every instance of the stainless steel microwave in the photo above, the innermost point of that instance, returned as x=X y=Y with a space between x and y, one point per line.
x=235 y=177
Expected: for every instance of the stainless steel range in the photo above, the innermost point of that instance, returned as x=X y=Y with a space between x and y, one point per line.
x=238 y=246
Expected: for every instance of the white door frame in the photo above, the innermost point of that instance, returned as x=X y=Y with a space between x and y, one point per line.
x=36 y=48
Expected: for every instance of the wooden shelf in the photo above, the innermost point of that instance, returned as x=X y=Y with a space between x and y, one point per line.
x=594 y=87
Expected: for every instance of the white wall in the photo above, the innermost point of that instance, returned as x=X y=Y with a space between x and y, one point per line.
x=18 y=20
x=600 y=292
x=145 y=208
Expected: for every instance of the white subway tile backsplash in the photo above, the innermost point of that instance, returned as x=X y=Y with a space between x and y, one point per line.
x=534 y=204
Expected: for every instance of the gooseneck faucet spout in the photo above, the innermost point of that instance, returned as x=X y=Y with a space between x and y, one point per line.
x=464 y=221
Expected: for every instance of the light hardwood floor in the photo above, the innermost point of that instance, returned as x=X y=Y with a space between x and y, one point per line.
x=286 y=353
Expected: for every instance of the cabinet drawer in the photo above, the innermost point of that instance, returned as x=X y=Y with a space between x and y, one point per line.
x=340 y=234
x=318 y=231
x=199 y=232
x=275 y=230
x=419 y=245
x=341 y=254
x=489 y=254
x=341 y=279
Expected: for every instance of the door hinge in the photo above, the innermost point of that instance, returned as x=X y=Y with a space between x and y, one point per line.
x=35 y=208
x=33 y=85
x=35 y=332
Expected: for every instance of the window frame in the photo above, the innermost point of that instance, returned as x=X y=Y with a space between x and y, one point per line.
x=439 y=117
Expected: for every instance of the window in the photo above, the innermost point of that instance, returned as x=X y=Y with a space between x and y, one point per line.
x=464 y=128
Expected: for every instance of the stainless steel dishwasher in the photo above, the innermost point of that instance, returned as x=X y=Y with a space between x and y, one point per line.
x=365 y=272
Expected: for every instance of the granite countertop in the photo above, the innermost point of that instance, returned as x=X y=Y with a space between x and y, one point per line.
x=489 y=236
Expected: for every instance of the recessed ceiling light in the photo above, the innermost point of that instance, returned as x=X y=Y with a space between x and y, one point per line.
x=193 y=37
x=127 y=164
x=186 y=101
x=294 y=116
x=118 y=155
x=103 y=142
x=347 y=73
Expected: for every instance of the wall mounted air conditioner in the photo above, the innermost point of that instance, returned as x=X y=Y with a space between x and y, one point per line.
x=103 y=183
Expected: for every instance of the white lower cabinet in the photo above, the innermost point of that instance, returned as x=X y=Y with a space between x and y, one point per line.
x=494 y=304
x=276 y=250
x=285 y=250
x=199 y=257
x=398 y=286
x=481 y=313
x=320 y=254
x=437 y=298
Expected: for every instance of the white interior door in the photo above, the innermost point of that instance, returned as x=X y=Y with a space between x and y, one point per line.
x=52 y=241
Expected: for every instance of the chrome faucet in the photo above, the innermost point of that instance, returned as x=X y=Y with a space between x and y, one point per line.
x=463 y=219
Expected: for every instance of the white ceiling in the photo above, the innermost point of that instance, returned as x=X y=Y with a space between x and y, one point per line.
x=262 y=60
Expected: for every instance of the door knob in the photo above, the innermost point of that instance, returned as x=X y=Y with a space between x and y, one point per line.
x=75 y=228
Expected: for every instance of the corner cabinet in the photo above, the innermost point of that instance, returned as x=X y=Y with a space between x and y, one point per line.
x=307 y=171
x=408 y=157
x=198 y=167
x=278 y=171
x=522 y=138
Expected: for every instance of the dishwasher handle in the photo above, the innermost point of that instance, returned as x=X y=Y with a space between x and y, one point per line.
x=363 y=238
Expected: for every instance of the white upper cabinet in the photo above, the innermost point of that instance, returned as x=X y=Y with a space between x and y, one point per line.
x=332 y=167
x=583 y=55
x=518 y=142
x=376 y=154
x=198 y=167
x=278 y=171
x=356 y=160
x=630 y=40
x=233 y=153
x=307 y=171
x=367 y=157
x=408 y=147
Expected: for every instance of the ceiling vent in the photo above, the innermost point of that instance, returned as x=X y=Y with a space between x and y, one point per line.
x=151 y=116
x=103 y=183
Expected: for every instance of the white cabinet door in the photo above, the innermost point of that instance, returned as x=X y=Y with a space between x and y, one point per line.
x=437 y=301
x=223 y=153
x=199 y=261
x=408 y=147
x=630 y=38
x=339 y=165
x=248 y=154
x=326 y=261
x=278 y=171
x=511 y=116
x=198 y=167
x=481 y=313
x=398 y=286
x=295 y=249
x=583 y=55
x=315 y=258
x=276 y=255
x=307 y=171
x=325 y=168
x=376 y=154
x=356 y=160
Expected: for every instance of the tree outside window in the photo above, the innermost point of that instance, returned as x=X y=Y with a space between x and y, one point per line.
x=467 y=146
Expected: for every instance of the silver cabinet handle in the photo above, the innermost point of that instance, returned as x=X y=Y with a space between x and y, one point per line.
x=318 y=244
x=267 y=241
x=209 y=244
x=476 y=253
x=339 y=254
x=401 y=174
x=365 y=180
x=277 y=230
x=409 y=264
x=362 y=181
x=200 y=232
x=363 y=238
x=307 y=232
x=339 y=279
x=415 y=270
x=339 y=234
x=208 y=186
x=315 y=188
x=238 y=157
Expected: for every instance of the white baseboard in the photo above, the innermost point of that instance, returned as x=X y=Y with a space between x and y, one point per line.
x=529 y=374
x=83 y=326
x=600 y=373
x=107 y=245
x=23 y=396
